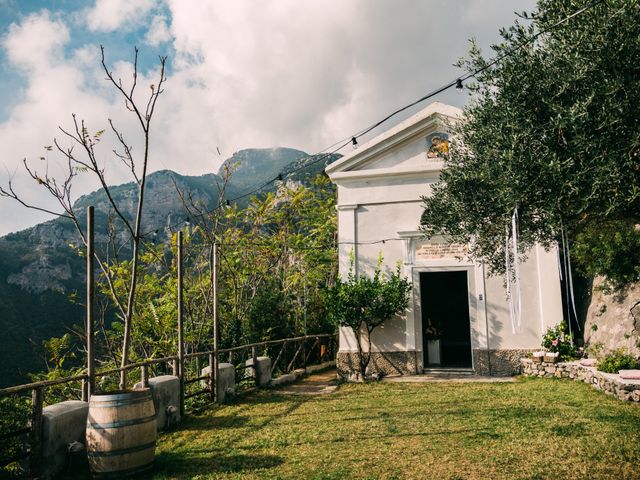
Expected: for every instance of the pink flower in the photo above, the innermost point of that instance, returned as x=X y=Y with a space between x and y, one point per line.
x=555 y=342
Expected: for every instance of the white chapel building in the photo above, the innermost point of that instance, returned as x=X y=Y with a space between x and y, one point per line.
x=458 y=316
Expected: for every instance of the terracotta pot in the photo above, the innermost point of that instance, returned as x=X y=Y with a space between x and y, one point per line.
x=551 y=359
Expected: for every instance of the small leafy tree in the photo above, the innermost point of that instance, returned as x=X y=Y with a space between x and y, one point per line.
x=364 y=303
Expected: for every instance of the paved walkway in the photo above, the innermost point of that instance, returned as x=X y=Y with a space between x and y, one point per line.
x=316 y=384
x=326 y=382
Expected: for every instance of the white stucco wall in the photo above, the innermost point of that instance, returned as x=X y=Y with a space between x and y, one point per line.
x=379 y=198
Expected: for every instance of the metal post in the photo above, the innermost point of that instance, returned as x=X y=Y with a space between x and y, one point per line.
x=215 y=387
x=91 y=292
x=180 y=326
x=35 y=435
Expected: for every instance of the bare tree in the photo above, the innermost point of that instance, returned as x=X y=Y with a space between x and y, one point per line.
x=86 y=161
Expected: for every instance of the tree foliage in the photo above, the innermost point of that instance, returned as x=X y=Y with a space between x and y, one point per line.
x=552 y=130
x=276 y=256
x=363 y=303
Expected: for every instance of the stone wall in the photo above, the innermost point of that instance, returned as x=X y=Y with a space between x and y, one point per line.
x=611 y=384
x=387 y=363
x=497 y=363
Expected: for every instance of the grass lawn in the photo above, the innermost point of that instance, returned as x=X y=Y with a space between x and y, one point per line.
x=533 y=428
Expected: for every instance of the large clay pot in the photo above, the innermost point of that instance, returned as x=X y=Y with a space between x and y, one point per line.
x=121 y=433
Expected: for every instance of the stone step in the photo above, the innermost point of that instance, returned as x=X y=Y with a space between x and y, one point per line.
x=447 y=371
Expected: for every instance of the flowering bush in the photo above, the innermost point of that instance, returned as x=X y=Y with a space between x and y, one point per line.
x=558 y=339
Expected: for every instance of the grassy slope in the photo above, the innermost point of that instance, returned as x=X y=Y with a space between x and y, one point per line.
x=534 y=428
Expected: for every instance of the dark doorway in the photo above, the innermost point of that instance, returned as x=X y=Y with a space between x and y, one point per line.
x=445 y=319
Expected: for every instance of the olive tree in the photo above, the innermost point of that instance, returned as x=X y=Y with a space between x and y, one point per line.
x=552 y=130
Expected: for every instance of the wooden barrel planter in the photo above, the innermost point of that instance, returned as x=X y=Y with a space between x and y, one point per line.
x=121 y=433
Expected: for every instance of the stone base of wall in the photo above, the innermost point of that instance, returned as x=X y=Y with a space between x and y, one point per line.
x=611 y=384
x=386 y=363
x=498 y=363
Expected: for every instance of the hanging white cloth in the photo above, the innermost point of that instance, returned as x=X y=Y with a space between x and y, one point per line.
x=571 y=300
x=513 y=274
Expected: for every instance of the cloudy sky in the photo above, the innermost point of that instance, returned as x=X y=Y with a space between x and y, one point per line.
x=241 y=74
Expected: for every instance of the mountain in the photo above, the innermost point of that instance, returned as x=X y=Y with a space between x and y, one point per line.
x=39 y=269
x=254 y=166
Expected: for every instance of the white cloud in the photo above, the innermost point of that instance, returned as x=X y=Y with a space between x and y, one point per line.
x=56 y=86
x=32 y=44
x=244 y=74
x=158 y=31
x=305 y=74
x=109 y=15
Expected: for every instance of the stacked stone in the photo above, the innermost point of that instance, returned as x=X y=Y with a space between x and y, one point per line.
x=609 y=383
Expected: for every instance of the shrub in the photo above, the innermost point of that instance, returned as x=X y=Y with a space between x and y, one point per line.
x=558 y=339
x=617 y=360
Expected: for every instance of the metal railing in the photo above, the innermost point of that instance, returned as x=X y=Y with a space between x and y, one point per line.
x=291 y=353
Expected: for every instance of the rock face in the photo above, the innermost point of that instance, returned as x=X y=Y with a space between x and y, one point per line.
x=613 y=320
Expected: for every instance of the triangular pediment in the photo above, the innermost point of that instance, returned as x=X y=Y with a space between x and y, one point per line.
x=411 y=146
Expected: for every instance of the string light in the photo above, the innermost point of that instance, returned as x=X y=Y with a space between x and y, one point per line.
x=458 y=83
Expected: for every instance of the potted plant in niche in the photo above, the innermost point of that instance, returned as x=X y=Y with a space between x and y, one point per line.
x=432 y=336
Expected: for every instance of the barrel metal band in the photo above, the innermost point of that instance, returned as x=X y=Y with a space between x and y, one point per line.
x=123 y=451
x=122 y=423
x=117 y=403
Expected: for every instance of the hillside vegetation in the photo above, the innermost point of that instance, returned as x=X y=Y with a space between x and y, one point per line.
x=41 y=271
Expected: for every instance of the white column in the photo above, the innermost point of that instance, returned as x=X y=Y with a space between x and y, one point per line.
x=347 y=238
x=481 y=325
x=407 y=268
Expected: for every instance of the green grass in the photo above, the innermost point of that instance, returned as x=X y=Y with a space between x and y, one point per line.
x=533 y=428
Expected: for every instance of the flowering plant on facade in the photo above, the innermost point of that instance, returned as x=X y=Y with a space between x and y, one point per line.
x=558 y=340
